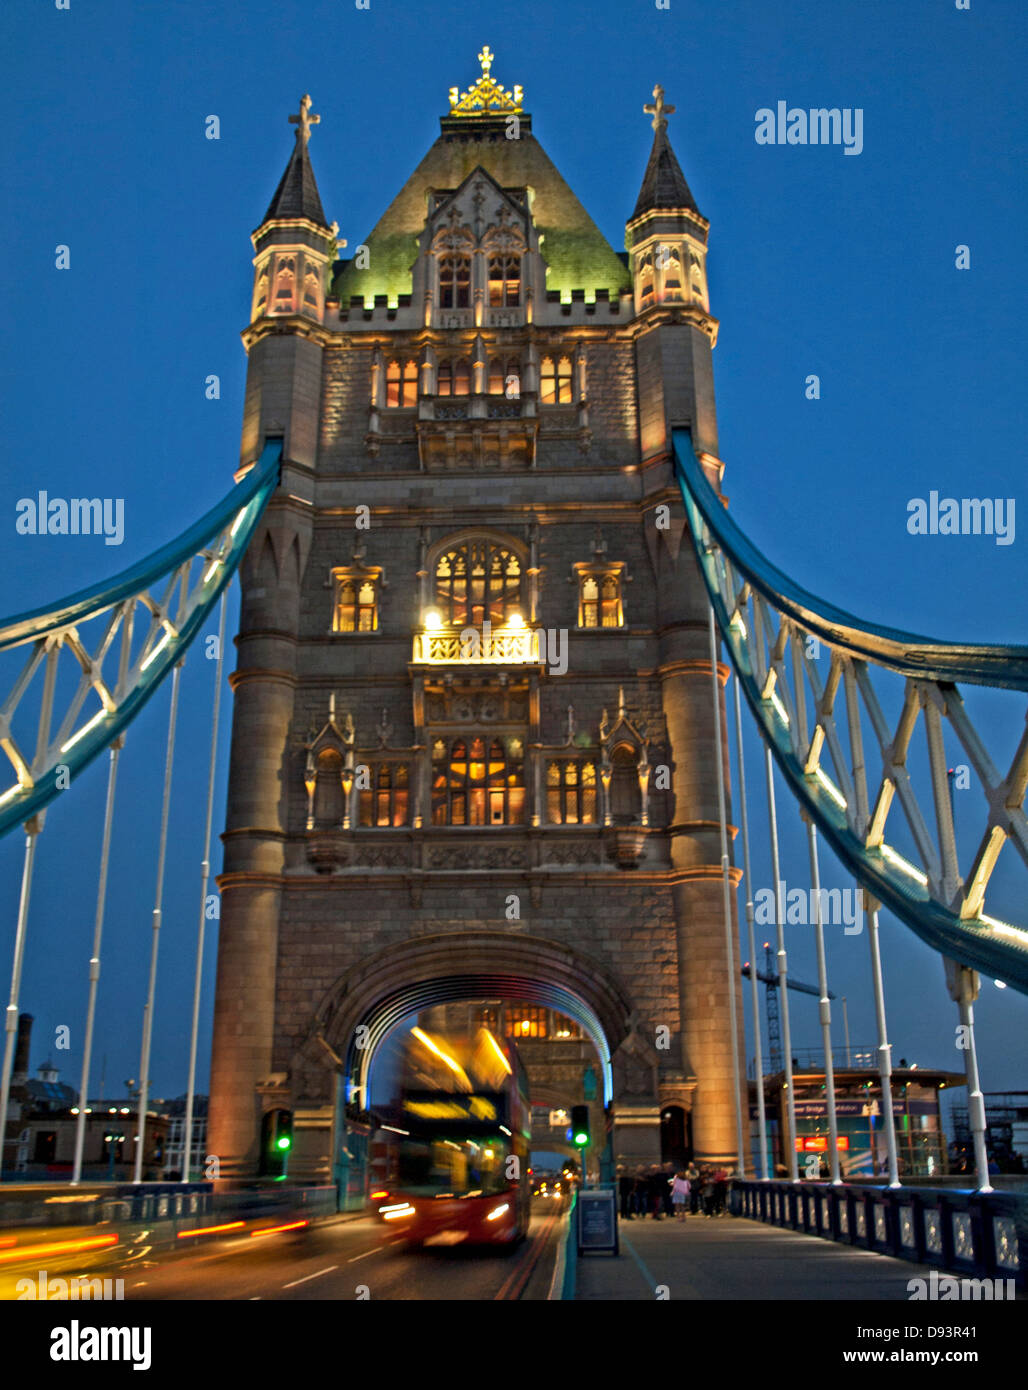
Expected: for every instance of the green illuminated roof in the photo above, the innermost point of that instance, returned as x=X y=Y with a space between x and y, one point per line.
x=576 y=252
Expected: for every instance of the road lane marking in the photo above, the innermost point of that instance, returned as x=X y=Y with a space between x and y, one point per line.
x=310 y=1276
x=370 y=1252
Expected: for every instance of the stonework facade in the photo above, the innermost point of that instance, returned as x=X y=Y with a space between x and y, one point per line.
x=473 y=746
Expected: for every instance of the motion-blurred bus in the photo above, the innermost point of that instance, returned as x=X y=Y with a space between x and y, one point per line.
x=453 y=1150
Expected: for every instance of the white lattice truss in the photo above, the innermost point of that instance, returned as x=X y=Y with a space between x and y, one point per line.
x=94 y=660
x=817 y=705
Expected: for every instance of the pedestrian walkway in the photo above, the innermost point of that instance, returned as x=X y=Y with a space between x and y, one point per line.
x=727 y=1257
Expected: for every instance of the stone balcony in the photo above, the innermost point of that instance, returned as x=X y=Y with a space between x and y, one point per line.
x=510 y=645
x=461 y=849
x=477 y=431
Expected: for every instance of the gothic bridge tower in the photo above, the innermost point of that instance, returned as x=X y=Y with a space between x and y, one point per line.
x=473 y=751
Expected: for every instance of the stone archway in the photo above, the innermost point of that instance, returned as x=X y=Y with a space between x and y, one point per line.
x=443 y=968
x=364 y=1005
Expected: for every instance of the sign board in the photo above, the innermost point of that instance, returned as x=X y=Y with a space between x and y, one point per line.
x=559 y=1119
x=853 y=1109
x=818 y=1143
x=597 y=1220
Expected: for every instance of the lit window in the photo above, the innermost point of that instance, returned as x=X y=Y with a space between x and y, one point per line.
x=402 y=383
x=599 y=600
x=285 y=276
x=505 y=378
x=454 y=378
x=571 y=792
x=477 y=783
x=476 y=580
x=526 y=1021
x=311 y=291
x=385 y=802
x=696 y=273
x=646 y=280
x=504 y=281
x=671 y=268
x=488 y=1017
x=454 y=282
x=356 y=606
x=555 y=381
x=262 y=291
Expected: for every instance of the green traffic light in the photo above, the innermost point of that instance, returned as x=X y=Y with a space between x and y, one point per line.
x=581 y=1138
x=283 y=1143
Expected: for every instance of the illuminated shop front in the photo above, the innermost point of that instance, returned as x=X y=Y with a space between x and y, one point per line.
x=920 y=1140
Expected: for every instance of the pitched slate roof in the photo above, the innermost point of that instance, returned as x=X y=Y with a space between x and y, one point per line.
x=575 y=250
x=297 y=193
x=663 y=184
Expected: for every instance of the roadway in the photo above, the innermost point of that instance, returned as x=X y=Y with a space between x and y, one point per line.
x=337 y=1259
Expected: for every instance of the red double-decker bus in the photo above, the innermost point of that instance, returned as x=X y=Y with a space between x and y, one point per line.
x=453 y=1154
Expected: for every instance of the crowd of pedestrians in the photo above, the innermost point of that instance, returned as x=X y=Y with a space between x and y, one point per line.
x=673 y=1192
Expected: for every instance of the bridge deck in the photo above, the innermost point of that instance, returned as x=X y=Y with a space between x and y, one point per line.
x=727 y=1258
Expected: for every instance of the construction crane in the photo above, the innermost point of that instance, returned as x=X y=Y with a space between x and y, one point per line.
x=769 y=975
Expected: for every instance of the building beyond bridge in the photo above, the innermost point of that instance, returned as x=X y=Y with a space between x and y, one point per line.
x=473 y=749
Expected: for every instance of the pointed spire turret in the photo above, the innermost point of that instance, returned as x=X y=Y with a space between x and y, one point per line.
x=297 y=193
x=296 y=246
x=666 y=236
x=663 y=184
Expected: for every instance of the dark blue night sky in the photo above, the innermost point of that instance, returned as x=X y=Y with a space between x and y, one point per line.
x=819 y=263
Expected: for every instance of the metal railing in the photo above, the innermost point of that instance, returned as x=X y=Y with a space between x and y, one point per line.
x=975 y=1234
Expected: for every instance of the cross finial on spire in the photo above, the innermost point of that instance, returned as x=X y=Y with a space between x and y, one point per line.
x=658 y=110
x=304 y=120
x=486 y=59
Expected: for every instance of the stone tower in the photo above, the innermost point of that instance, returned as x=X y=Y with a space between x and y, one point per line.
x=473 y=748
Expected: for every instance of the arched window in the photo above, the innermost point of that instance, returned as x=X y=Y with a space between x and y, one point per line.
x=571 y=792
x=478 y=579
x=527 y=1020
x=454 y=378
x=646 y=280
x=356 y=607
x=625 y=795
x=402 y=383
x=555 y=381
x=504 y=281
x=695 y=270
x=386 y=800
x=599 y=602
x=262 y=291
x=671 y=266
x=454 y=282
x=311 y=290
x=478 y=782
x=505 y=378
x=328 y=790
x=285 y=277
